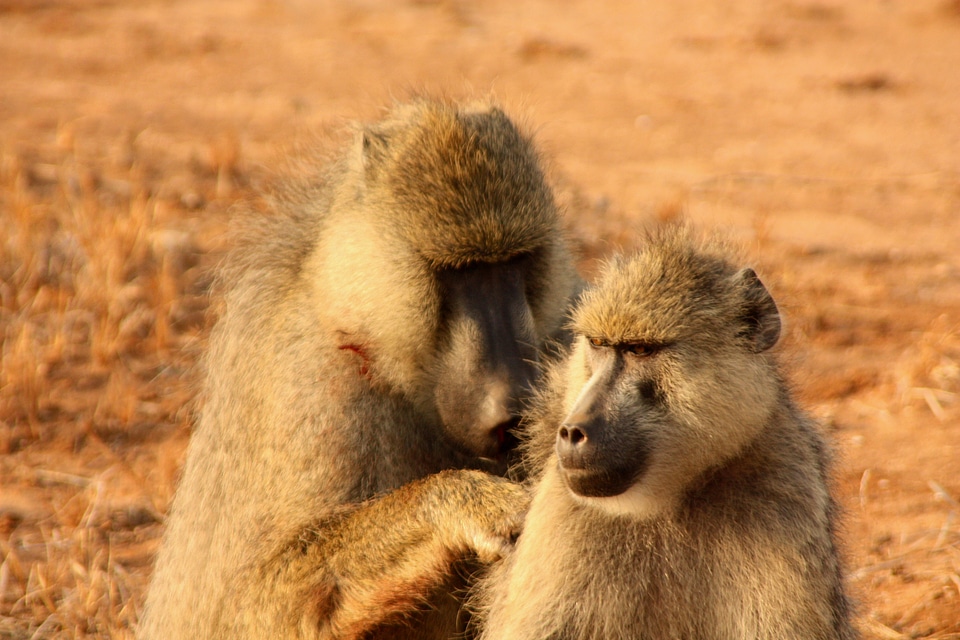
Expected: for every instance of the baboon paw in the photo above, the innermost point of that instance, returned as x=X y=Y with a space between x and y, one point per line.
x=490 y=547
x=495 y=534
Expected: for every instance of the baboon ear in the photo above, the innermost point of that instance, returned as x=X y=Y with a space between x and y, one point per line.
x=761 y=316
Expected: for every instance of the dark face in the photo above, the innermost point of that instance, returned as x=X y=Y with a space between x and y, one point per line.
x=601 y=445
x=488 y=352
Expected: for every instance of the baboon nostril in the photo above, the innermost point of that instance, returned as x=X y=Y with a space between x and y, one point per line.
x=573 y=435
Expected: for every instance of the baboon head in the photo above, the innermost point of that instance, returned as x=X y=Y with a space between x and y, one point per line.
x=667 y=377
x=453 y=269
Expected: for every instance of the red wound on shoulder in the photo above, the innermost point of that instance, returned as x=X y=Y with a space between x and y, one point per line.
x=364 y=358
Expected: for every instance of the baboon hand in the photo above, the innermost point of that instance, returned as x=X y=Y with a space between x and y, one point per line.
x=488 y=515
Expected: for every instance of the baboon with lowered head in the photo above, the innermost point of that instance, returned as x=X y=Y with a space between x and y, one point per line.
x=378 y=331
x=680 y=493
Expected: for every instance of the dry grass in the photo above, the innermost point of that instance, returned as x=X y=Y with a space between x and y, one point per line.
x=930 y=558
x=929 y=372
x=67 y=577
x=103 y=302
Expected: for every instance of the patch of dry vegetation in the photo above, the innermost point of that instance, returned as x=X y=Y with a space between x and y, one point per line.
x=102 y=305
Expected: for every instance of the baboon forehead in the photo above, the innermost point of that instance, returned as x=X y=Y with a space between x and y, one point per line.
x=465 y=185
x=660 y=294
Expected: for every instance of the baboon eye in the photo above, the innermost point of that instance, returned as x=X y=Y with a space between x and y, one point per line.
x=641 y=349
x=597 y=342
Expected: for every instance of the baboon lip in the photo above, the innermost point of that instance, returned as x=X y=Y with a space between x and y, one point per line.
x=497 y=446
x=596 y=483
x=505 y=437
x=573 y=464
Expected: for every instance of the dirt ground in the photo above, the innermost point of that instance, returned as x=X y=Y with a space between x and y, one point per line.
x=823 y=134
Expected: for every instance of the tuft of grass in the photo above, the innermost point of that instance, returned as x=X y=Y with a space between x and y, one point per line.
x=929 y=372
x=65 y=580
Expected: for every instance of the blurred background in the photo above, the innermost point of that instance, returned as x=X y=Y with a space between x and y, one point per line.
x=824 y=135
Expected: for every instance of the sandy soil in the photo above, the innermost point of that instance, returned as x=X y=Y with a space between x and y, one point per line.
x=824 y=134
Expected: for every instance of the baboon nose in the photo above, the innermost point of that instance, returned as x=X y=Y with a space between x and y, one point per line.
x=573 y=434
x=572 y=442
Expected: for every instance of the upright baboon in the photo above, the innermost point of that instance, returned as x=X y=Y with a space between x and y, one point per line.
x=379 y=327
x=680 y=494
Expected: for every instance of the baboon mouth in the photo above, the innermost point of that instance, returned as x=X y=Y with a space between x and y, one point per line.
x=500 y=442
x=597 y=483
x=506 y=436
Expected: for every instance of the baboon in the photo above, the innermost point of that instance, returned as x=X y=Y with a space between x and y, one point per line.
x=679 y=492
x=378 y=331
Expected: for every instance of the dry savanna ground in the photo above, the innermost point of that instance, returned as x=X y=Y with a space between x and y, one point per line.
x=824 y=134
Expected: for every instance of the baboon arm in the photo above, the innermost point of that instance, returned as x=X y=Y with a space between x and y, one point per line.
x=373 y=564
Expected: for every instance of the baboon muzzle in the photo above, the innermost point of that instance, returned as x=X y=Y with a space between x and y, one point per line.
x=591 y=463
x=597 y=455
x=488 y=362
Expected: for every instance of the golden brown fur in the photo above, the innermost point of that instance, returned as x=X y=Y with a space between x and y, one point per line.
x=680 y=493
x=377 y=328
